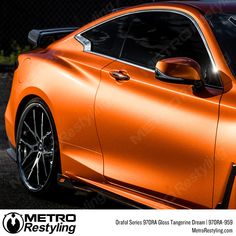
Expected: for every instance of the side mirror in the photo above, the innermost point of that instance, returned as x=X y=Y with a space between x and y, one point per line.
x=179 y=70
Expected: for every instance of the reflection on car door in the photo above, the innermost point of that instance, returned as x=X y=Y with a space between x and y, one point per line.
x=157 y=137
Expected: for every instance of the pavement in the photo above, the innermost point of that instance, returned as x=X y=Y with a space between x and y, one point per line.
x=13 y=195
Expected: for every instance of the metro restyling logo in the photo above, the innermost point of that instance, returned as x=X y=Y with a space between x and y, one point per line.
x=13 y=222
x=50 y=223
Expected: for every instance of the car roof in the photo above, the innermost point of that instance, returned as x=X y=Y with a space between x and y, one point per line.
x=205 y=7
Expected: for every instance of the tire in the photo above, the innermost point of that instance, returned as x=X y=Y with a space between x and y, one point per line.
x=37 y=148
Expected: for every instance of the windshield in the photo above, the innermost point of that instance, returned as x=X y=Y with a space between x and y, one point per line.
x=224 y=28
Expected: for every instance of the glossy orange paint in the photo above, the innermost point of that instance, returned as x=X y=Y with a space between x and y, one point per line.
x=180 y=67
x=153 y=142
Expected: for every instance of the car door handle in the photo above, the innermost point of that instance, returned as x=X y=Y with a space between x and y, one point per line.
x=119 y=75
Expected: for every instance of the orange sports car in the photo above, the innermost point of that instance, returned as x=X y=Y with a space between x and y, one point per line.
x=140 y=103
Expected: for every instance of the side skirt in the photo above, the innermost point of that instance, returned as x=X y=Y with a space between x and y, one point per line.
x=67 y=182
x=123 y=195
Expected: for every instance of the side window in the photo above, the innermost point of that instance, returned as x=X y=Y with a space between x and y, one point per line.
x=108 y=38
x=157 y=35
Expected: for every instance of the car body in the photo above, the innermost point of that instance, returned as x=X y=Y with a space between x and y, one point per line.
x=118 y=127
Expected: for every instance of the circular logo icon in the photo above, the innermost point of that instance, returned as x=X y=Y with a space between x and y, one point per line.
x=13 y=222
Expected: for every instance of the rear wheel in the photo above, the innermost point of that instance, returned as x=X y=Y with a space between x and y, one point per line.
x=37 y=148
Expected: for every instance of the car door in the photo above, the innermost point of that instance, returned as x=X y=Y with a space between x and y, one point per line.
x=79 y=139
x=158 y=137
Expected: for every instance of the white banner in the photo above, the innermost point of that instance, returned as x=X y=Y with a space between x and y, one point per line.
x=117 y=222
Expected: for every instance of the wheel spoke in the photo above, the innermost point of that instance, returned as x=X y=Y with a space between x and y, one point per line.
x=26 y=158
x=42 y=125
x=37 y=167
x=27 y=144
x=35 y=128
x=44 y=165
x=46 y=135
x=31 y=131
x=29 y=165
x=48 y=153
x=35 y=163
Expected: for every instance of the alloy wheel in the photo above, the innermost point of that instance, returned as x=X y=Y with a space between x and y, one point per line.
x=35 y=147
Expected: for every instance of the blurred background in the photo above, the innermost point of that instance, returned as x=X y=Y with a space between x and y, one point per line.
x=17 y=18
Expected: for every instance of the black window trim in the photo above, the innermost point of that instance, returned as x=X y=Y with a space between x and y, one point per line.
x=87 y=45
